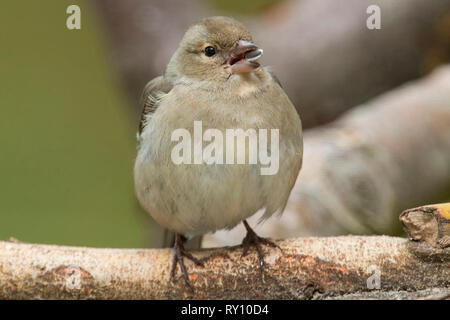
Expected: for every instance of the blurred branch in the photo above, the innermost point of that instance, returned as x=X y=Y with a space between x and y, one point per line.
x=339 y=267
x=329 y=61
x=144 y=35
x=360 y=171
x=323 y=53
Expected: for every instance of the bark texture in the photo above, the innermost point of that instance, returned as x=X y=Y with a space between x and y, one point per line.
x=360 y=171
x=326 y=58
x=329 y=61
x=428 y=223
x=310 y=268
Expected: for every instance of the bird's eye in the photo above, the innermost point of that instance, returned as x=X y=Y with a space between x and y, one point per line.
x=210 y=51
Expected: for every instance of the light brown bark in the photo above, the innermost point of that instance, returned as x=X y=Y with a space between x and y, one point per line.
x=338 y=267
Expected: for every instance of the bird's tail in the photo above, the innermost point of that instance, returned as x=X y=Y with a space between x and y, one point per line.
x=168 y=240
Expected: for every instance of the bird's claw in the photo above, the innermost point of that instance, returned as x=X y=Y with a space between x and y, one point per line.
x=252 y=239
x=179 y=252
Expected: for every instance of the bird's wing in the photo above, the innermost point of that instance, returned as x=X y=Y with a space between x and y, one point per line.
x=151 y=95
x=150 y=98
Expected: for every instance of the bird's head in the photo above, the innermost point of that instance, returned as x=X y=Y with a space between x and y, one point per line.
x=215 y=48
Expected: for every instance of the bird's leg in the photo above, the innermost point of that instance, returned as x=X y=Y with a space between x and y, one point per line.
x=252 y=239
x=178 y=253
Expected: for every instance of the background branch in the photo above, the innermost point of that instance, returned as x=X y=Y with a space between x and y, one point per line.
x=361 y=170
x=323 y=53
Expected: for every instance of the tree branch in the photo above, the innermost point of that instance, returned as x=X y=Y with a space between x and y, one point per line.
x=430 y=224
x=334 y=267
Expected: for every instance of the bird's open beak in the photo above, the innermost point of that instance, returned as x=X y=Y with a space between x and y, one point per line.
x=244 y=56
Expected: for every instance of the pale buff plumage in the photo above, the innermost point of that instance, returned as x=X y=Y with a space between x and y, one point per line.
x=196 y=199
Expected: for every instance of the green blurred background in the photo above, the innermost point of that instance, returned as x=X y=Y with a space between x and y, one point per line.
x=67 y=143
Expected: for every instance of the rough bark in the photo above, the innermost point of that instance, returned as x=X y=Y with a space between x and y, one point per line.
x=428 y=223
x=326 y=58
x=377 y=160
x=309 y=268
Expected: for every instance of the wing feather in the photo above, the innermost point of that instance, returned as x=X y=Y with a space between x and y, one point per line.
x=153 y=91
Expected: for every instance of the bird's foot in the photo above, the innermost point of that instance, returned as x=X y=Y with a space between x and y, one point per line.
x=252 y=239
x=179 y=252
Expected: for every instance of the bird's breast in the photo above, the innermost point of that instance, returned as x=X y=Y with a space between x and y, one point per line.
x=196 y=197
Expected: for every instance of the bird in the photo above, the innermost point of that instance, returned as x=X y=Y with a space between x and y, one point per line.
x=214 y=78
